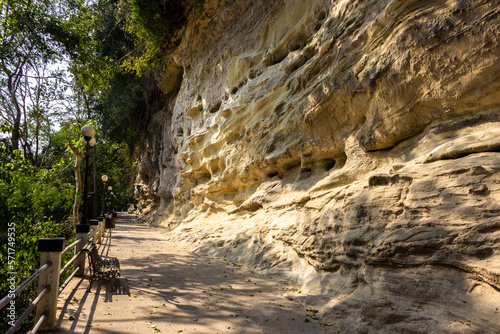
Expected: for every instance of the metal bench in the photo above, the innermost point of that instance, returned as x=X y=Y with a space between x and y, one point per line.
x=101 y=268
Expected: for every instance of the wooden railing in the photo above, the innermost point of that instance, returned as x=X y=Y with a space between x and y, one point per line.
x=49 y=273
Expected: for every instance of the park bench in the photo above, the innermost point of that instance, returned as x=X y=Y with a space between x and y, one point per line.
x=101 y=268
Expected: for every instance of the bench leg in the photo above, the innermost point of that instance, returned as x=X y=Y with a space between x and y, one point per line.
x=90 y=285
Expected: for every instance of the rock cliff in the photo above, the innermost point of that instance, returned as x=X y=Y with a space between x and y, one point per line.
x=352 y=145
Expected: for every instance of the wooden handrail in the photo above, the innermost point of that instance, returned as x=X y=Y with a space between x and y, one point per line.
x=71 y=246
x=23 y=285
x=45 y=290
x=67 y=280
x=70 y=262
x=28 y=311
x=38 y=324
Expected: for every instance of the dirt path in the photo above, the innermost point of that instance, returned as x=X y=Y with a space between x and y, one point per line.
x=166 y=289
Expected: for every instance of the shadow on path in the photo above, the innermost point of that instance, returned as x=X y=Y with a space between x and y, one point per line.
x=164 y=288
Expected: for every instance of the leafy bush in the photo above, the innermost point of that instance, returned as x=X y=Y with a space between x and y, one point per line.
x=153 y=23
x=30 y=198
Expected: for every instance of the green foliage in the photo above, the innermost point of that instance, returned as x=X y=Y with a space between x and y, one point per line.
x=114 y=48
x=124 y=108
x=114 y=161
x=36 y=201
x=110 y=157
x=153 y=23
x=101 y=42
x=121 y=45
x=31 y=201
x=150 y=21
x=30 y=192
x=24 y=28
x=36 y=196
x=27 y=261
x=26 y=50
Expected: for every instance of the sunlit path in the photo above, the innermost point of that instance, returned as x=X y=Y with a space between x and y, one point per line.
x=166 y=289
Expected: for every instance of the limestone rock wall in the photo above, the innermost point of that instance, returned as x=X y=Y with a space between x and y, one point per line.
x=352 y=145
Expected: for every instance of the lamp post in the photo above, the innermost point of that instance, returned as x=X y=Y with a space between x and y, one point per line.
x=110 y=188
x=88 y=140
x=112 y=202
x=104 y=179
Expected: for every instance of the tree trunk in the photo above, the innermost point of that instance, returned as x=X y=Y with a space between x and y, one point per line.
x=16 y=131
x=94 y=181
x=78 y=180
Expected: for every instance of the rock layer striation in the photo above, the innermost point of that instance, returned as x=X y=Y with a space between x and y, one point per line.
x=353 y=146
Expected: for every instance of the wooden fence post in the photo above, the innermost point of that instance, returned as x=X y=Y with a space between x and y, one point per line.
x=107 y=220
x=81 y=232
x=101 y=228
x=50 y=251
x=94 y=224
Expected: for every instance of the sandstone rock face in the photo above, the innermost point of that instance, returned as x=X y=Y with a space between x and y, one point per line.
x=353 y=146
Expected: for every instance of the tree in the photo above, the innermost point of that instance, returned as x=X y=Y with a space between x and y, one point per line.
x=24 y=46
x=30 y=83
x=40 y=165
x=33 y=202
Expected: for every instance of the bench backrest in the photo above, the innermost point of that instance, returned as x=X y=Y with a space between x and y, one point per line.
x=95 y=259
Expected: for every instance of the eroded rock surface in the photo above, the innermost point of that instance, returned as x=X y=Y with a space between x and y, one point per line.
x=351 y=145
